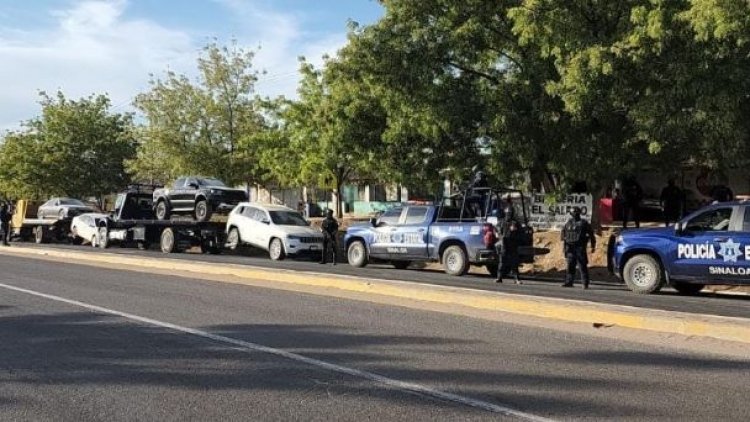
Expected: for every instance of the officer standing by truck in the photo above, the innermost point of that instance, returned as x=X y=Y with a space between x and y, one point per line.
x=330 y=229
x=5 y=217
x=507 y=246
x=576 y=233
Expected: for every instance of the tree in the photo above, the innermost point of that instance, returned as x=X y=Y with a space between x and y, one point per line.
x=208 y=127
x=75 y=148
x=330 y=135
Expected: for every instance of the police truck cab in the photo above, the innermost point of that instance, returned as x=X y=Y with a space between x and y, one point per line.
x=709 y=246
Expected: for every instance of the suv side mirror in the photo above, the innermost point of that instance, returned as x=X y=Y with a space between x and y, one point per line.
x=679 y=229
x=265 y=220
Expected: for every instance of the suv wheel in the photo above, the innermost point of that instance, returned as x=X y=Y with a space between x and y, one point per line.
x=162 y=210
x=202 y=210
x=643 y=274
x=233 y=239
x=276 y=250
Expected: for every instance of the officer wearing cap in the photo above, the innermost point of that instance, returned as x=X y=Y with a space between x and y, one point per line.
x=576 y=233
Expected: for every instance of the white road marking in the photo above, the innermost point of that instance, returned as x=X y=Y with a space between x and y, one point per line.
x=386 y=381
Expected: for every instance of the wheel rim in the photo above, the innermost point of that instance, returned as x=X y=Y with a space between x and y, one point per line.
x=167 y=241
x=642 y=275
x=452 y=261
x=356 y=253
x=161 y=210
x=200 y=210
x=275 y=249
x=233 y=239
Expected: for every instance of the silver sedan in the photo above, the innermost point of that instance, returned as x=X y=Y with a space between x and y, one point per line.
x=63 y=208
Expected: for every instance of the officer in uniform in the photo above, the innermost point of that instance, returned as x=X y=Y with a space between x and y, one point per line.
x=576 y=233
x=507 y=246
x=330 y=228
x=5 y=217
x=477 y=199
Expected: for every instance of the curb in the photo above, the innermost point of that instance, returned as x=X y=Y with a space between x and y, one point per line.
x=681 y=323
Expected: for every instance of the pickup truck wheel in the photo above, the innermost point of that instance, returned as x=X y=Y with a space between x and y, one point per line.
x=202 y=211
x=357 y=254
x=162 y=211
x=455 y=261
x=103 y=238
x=276 y=250
x=688 y=289
x=233 y=239
x=643 y=274
x=401 y=265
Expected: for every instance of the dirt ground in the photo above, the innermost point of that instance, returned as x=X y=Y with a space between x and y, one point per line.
x=552 y=264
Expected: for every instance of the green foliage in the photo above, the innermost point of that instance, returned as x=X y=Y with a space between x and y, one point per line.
x=75 y=148
x=209 y=127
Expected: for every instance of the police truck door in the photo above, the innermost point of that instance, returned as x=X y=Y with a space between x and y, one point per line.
x=711 y=245
x=413 y=232
x=383 y=235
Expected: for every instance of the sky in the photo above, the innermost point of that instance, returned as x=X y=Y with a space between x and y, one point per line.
x=84 y=47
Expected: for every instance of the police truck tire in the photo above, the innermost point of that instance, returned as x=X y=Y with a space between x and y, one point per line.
x=202 y=211
x=162 y=210
x=168 y=241
x=643 y=274
x=357 y=254
x=688 y=289
x=455 y=261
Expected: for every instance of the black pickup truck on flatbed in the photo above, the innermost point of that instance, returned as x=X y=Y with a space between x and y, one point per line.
x=200 y=197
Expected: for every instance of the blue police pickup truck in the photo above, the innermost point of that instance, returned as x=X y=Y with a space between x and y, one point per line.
x=456 y=233
x=709 y=246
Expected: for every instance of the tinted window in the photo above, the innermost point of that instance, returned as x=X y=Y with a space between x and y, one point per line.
x=68 y=201
x=415 y=215
x=250 y=212
x=712 y=220
x=391 y=216
x=180 y=183
x=287 y=218
x=211 y=182
x=746 y=224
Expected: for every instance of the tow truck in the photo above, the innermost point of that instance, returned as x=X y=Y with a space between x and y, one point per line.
x=452 y=232
x=42 y=230
x=133 y=221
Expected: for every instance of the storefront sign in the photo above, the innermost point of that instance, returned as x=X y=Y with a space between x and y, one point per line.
x=548 y=215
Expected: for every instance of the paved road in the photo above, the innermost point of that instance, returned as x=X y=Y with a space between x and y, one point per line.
x=668 y=299
x=90 y=344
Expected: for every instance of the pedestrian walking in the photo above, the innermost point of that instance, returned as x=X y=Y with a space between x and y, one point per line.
x=5 y=217
x=330 y=229
x=671 y=201
x=576 y=233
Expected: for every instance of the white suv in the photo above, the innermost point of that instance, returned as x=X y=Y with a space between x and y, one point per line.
x=277 y=229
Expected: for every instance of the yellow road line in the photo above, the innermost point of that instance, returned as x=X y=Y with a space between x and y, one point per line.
x=723 y=328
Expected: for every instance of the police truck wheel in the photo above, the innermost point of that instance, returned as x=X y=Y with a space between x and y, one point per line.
x=162 y=211
x=455 y=261
x=168 y=242
x=357 y=254
x=276 y=250
x=103 y=240
x=202 y=211
x=643 y=274
x=688 y=289
x=233 y=239
x=401 y=265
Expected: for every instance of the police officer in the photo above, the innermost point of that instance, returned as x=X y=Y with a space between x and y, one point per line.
x=5 y=217
x=576 y=233
x=507 y=246
x=670 y=201
x=330 y=228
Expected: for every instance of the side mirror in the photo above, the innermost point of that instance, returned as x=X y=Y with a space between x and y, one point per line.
x=374 y=222
x=265 y=221
x=679 y=228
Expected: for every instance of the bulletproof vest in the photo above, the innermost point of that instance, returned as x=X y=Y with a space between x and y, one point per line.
x=573 y=232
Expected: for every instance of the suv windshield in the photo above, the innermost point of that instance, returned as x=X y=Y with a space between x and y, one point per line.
x=67 y=201
x=287 y=218
x=211 y=182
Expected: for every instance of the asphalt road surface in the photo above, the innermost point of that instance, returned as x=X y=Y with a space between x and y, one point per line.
x=668 y=299
x=82 y=343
